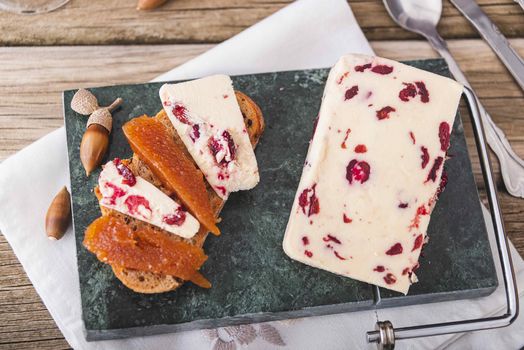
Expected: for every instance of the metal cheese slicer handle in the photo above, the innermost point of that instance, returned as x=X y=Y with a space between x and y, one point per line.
x=385 y=335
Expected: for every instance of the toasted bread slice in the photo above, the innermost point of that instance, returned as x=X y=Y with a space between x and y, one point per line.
x=147 y=282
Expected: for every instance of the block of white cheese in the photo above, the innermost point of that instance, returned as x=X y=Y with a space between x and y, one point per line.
x=207 y=117
x=134 y=196
x=373 y=171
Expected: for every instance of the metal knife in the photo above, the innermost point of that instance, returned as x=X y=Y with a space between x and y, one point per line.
x=494 y=37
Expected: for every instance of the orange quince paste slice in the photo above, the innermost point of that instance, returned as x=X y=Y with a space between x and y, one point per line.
x=144 y=249
x=151 y=141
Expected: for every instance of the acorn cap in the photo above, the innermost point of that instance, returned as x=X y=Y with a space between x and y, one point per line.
x=84 y=102
x=101 y=117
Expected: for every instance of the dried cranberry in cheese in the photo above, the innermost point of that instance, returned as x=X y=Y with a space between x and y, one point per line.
x=374 y=171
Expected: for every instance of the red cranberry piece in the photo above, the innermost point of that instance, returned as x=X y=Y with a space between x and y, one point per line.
x=305 y=240
x=311 y=201
x=342 y=77
x=180 y=112
x=405 y=271
x=443 y=183
x=358 y=171
x=384 y=112
x=221 y=189
x=422 y=210
x=133 y=202
x=382 y=69
x=177 y=219
x=230 y=143
x=195 y=133
x=416 y=220
x=303 y=200
x=308 y=253
x=443 y=135
x=225 y=96
x=351 y=92
x=167 y=103
x=403 y=205
x=346 y=219
x=412 y=137
x=314 y=205
x=379 y=268
x=436 y=166
x=218 y=144
x=395 y=249
x=362 y=67
x=424 y=156
x=418 y=242
x=338 y=255
x=361 y=149
x=215 y=146
x=343 y=145
x=331 y=238
x=390 y=278
x=408 y=92
x=422 y=91
x=117 y=192
x=125 y=172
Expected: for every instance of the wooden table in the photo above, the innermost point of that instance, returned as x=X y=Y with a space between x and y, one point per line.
x=38 y=62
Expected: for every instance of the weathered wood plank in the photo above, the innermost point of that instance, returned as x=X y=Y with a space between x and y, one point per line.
x=93 y=22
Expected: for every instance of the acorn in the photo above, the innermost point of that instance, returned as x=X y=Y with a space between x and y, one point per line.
x=95 y=140
x=93 y=147
x=149 y=4
x=58 y=215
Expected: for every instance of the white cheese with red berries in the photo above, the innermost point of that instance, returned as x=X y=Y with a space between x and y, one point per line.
x=134 y=196
x=207 y=117
x=373 y=171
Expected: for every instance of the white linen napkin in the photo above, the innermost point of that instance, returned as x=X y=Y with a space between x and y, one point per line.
x=305 y=34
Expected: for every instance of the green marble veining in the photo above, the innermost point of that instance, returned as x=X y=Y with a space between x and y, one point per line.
x=252 y=278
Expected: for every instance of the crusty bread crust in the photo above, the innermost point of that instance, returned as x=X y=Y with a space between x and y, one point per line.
x=148 y=282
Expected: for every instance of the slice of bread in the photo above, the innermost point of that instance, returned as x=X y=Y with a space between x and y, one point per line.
x=147 y=282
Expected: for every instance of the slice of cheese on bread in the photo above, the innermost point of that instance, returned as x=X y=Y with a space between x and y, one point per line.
x=148 y=282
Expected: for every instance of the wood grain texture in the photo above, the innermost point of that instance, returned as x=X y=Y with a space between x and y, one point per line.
x=30 y=106
x=94 y=22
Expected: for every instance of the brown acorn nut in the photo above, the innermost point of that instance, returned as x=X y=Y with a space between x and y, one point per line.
x=58 y=215
x=95 y=140
x=149 y=4
x=93 y=147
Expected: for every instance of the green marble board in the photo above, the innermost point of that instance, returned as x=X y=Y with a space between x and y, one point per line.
x=253 y=280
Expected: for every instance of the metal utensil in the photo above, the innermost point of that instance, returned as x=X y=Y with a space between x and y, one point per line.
x=422 y=17
x=493 y=37
x=31 y=7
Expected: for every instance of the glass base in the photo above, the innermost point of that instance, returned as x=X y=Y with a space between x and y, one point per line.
x=29 y=7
